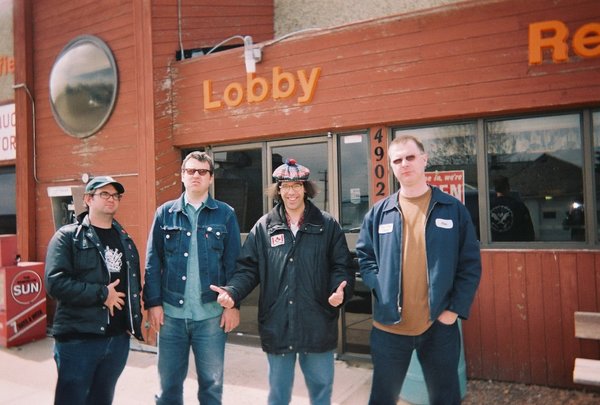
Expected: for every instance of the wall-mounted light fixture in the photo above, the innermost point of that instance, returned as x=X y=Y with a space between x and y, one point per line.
x=252 y=54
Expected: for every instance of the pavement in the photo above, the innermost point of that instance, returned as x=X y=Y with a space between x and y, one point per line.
x=28 y=376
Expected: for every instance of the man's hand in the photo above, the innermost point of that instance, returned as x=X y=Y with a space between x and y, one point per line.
x=223 y=298
x=448 y=317
x=157 y=317
x=337 y=297
x=230 y=319
x=114 y=298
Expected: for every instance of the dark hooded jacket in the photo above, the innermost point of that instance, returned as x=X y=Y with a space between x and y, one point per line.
x=296 y=274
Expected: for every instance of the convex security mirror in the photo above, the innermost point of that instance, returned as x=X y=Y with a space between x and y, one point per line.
x=83 y=86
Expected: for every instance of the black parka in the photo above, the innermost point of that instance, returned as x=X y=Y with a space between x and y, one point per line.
x=76 y=276
x=296 y=274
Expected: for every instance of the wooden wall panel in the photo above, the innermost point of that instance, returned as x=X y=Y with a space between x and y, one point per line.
x=524 y=328
x=535 y=318
x=471 y=60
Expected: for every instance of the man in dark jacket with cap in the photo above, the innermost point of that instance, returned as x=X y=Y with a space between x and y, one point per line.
x=93 y=272
x=298 y=255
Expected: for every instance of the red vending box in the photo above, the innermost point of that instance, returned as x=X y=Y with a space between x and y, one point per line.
x=8 y=250
x=22 y=303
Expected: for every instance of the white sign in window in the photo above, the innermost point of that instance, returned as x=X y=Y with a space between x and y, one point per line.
x=8 y=140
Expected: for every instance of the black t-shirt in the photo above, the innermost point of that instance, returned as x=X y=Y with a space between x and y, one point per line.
x=510 y=220
x=116 y=263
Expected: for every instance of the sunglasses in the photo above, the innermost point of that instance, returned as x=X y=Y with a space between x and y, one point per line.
x=201 y=172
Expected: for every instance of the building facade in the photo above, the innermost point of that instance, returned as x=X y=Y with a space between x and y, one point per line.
x=499 y=89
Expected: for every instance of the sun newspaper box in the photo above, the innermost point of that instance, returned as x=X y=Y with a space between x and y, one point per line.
x=22 y=298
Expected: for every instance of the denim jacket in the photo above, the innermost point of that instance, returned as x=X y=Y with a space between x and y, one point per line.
x=218 y=236
x=452 y=254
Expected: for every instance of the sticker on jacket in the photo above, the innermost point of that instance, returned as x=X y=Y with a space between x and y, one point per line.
x=444 y=223
x=277 y=240
x=386 y=228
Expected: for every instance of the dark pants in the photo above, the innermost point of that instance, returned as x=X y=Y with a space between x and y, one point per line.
x=88 y=369
x=438 y=350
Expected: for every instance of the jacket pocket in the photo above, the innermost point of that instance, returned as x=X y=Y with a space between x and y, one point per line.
x=87 y=262
x=215 y=236
x=171 y=238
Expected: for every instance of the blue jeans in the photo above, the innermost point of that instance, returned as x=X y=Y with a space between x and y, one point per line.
x=318 y=375
x=88 y=369
x=438 y=350
x=207 y=340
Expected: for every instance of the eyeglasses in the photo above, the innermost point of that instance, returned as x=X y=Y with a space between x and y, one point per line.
x=201 y=172
x=288 y=187
x=409 y=158
x=105 y=196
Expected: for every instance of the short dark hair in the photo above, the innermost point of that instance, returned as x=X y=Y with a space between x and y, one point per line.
x=407 y=138
x=200 y=156
x=310 y=190
x=501 y=184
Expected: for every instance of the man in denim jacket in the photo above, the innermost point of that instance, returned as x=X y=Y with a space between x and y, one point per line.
x=194 y=242
x=419 y=255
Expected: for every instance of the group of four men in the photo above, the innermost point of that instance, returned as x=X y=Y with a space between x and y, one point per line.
x=417 y=250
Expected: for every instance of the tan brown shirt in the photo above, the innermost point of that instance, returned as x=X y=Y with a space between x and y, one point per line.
x=415 y=303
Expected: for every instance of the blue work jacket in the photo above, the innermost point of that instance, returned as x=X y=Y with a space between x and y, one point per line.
x=452 y=254
x=218 y=237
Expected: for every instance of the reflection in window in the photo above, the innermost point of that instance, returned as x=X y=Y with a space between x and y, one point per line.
x=541 y=161
x=238 y=182
x=596 y=132
x=354 y=181
x=451 y=148
x=313 y=156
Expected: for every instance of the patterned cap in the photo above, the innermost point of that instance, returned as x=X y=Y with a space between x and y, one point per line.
x=291 y=171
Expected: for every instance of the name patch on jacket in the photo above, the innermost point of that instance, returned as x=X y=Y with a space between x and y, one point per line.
x=444 y=223
x=277 y=240
x=386 y=228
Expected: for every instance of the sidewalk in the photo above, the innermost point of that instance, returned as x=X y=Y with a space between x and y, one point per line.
x=28 y=375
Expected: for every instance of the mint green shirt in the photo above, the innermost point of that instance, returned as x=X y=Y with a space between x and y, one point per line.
x=193 y=308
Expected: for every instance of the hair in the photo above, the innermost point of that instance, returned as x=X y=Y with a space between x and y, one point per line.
x=501 y=184
x=201 y=157
x=310 y=190
x=402 y=139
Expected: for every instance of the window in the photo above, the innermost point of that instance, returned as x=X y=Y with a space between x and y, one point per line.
x=596 y=164
x=314 y=156
x=239 y=182
x=354 y=182
x=537 y=164
x=8 y=207
x=451 y=151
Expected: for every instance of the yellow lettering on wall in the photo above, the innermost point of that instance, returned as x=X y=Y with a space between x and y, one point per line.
x=586 y=41
x=308 y=84
x=208 y=103
x=233 y=94
x=280 y=78
x=550 y=35
x=252 y=83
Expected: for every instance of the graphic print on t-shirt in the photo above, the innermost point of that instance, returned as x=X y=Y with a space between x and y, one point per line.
x=114 y=261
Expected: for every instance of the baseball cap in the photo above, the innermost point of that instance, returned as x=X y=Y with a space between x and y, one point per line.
x=101 y=181
x=291 y=171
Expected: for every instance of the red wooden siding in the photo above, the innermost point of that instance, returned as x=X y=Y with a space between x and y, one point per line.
x=467 y=60
x=521 y=327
